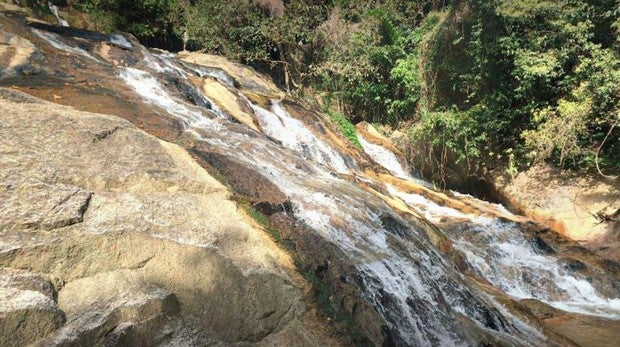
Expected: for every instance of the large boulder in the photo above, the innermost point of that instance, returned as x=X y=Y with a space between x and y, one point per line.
x=140 y=243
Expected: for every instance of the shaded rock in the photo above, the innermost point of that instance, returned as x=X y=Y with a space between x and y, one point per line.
x=265 y=195
x=14 y=52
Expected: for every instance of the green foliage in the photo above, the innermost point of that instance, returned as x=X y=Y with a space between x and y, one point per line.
x=346 y=127
x=384 y=84
x=538 y=79
x=152 y=21
x=263 y=220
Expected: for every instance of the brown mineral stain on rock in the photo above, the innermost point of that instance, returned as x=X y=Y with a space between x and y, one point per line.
x=586 y=331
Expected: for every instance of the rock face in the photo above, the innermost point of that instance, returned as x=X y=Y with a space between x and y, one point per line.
x=585 y=209
x=123 y=236
x=129 y=239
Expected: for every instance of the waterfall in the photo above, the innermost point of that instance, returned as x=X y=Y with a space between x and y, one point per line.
x=419 y=291
x=293 y=134
x=499 y=252
x=406 y=283
x=54 y=10
x=59 y=43
x=383 y=157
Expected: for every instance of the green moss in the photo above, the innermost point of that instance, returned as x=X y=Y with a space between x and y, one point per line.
x=346 y=127
x=263 y=220
x=333 y=310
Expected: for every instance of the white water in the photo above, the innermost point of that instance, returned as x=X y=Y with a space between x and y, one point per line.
x=499 y=252
x=54 y=10
x=153 y=92
x=406 y=284
x=503 y=256
x=59 y=43
x=388 y=160
x=383 y=157
x=293 y=134
x=163 y=64
x=417 y=290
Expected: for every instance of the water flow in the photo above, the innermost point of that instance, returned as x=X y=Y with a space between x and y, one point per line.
x=293 y=134
x=499 y=252
x=59 y=43
x=421 y=296
x=54 y=10
x=153 y=92
x=383 y=157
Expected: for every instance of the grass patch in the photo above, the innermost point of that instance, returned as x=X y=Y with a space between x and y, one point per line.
x=263 y=220
x=346 y=127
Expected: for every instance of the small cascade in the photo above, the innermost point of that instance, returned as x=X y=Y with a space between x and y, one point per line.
x=498 y=251
x=384 y=157
x=388 y=160
x=293 y=134
x=407 y=282
x=524 y=271
x=54 y=10
x=153 y=92
x=61 y=44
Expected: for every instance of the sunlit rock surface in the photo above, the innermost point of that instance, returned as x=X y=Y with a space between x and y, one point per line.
x=140 y=243
x=143 y=246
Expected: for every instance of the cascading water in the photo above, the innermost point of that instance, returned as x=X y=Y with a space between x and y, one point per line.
x=59 y=43
x=417 y=290
x=388 y=160
x=280 y=125
x=383 y=157
x=406 y=283
x=499 y=252
x=54 y=10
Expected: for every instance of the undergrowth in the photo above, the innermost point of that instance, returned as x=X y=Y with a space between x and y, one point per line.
x=346 y=127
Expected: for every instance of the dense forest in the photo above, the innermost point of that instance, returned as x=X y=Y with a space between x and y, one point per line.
x=479 y=83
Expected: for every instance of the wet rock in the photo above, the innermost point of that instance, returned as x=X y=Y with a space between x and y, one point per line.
x=325 y=263
x=265 y=195
x=394 y=226
x=15 y=52
x=227 y=101
x=245 y=77
x=542 y=246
